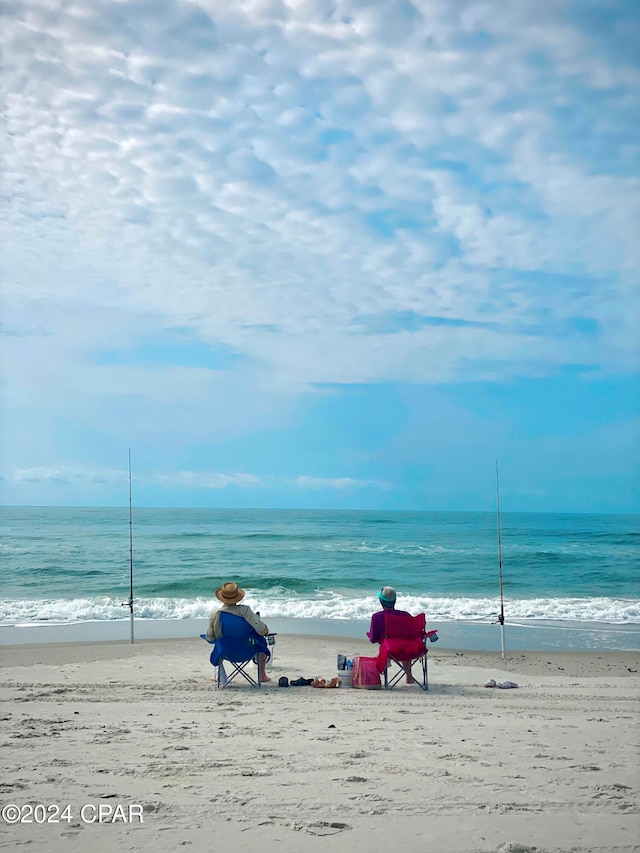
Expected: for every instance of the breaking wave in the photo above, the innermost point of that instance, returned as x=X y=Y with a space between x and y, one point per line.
x=324 y=605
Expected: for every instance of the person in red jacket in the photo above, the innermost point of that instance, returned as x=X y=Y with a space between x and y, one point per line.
x=387 y=598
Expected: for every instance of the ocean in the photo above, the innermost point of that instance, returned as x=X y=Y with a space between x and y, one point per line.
x=563 y=573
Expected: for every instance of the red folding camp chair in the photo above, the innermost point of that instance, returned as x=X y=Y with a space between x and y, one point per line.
x=404 y=645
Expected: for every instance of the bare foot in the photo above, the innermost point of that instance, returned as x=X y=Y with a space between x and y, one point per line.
x=264 y=678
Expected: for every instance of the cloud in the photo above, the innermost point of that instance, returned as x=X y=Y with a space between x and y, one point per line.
x=338 y=483
x=312 y=163
x=67 y=476
x=218 y=212
x=193 y=480
x=203 y=480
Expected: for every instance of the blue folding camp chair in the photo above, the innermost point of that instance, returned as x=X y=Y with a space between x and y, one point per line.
x=238 y=645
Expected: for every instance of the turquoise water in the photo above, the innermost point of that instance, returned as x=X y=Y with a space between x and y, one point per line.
x=71 y=564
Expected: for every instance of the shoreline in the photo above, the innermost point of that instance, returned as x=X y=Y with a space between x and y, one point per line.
x=537 y=636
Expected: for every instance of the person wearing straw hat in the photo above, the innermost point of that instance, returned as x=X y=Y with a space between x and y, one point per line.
x=231 y=595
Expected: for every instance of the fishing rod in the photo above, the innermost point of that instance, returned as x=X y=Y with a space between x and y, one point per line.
x=129 y=603
x=501 y=616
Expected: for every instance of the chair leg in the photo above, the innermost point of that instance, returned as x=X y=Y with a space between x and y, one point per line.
x=222 y=678
x=422 y=683
x=403 y=668
x=390 y=682
x=239 y=670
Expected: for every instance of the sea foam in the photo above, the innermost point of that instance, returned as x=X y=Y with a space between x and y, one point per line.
x=325 y=605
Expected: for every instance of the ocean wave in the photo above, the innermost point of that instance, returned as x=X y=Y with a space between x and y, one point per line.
x=394 y=548
x=325 y=605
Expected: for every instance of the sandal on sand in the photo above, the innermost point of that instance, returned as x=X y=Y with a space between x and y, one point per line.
x=301 y=682
x=283 y=681
x=321 y=682
x=507 y=685
x=491 y=683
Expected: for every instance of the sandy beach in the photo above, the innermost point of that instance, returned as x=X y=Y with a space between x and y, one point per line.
x=160 y=759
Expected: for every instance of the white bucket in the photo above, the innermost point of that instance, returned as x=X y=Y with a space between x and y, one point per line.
x=345 y=677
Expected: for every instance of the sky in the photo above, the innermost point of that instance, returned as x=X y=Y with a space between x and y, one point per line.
x=321 y=253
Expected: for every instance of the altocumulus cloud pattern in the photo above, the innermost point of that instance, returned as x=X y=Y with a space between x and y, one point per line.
x=298 y=194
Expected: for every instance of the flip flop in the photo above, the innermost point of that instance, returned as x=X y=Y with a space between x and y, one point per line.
x=491 y=683
x=318 y=682
x=335 y=682
x=507 y=685
x=301 y=682
x=283 y=681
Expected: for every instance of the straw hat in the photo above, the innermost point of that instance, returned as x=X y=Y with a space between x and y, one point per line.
x=229 y=593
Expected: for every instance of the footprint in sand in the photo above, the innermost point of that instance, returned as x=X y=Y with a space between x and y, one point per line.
x=73 y=830
x=323 y=827
x=9 y=787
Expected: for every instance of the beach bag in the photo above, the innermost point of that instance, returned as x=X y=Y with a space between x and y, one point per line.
x=365 y=674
